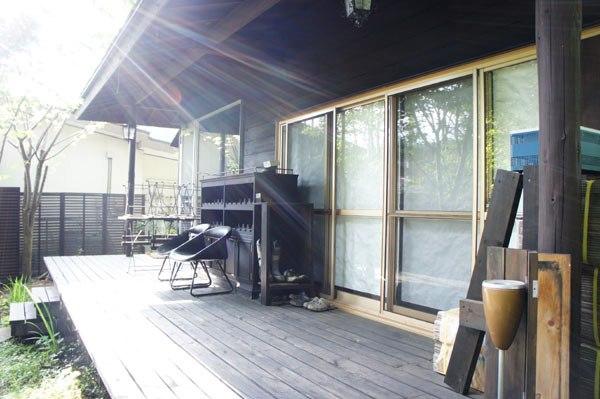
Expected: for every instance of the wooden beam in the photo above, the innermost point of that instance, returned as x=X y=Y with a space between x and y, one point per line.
x=139 y=20
x=496 y=232
x=471 y=314
x=558 y=32
x=209 y=39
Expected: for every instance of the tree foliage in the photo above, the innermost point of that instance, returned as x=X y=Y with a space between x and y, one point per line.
x=37 y=133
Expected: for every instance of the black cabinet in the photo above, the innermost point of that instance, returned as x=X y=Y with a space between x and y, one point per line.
x=230 y=201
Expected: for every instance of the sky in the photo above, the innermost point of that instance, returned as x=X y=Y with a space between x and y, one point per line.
x=51 y=48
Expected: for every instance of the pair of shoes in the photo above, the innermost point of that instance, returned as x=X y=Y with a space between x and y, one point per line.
x=291 y=276
x=318 y=305
x=298 y=300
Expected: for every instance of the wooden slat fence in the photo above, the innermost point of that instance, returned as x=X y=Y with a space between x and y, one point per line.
x=9 y=231
x=65 y=224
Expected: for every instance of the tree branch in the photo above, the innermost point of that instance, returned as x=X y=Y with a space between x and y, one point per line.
x=10 y=127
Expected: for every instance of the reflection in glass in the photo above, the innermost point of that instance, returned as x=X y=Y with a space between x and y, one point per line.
x=320 y=234
x=307 y=157
x=360 y=135
x=434 y=262
x=209 y=154
x=232 y=153
x=187 y=157
x=358 y=254
x=435 y=147
x=511 y=105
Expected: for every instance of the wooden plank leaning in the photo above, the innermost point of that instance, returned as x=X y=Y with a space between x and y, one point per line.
x=553 y=326
x=496 y=232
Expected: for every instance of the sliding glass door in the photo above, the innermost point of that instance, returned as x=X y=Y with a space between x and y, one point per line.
x=308 y=155
x=431 y=215
x=359 y=160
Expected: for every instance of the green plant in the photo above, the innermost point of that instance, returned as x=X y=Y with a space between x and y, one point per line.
x=47 y=336
x=22 y=365
x=17 y=290
x=4 y=308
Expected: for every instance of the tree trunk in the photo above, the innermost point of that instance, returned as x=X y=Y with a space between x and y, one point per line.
x=27 y=254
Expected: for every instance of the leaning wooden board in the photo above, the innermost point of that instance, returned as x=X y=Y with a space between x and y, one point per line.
x=553 y=327
x=496 y=232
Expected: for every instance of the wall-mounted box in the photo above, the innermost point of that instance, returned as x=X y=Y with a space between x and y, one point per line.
x=524 y=149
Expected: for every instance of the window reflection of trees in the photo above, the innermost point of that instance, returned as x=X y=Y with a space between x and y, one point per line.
x=359 y=156
x=511 y=98
x=307 y=154
x=435 y=136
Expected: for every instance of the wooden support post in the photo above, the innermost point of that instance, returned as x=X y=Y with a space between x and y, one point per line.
x=265 y=249
x=558 y=40
x=530 y=207
x=129 y=209
x=553 y=331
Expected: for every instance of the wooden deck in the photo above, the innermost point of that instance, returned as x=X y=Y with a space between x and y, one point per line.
x=148 y=341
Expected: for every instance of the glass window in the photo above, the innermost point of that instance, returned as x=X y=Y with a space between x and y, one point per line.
x=359 y=156
x=186 y=174
x=434 y=173
x=511 y=105
x=358 y=254
x=436 y=262
x=435 y=147
x=209 y=154
x=360 y=134
x=307 y=156
x=232 y=153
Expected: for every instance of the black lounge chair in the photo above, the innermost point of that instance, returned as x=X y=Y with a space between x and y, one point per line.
x=166 y=248
x=210 y=246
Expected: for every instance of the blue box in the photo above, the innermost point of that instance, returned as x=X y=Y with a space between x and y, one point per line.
x=524 y=149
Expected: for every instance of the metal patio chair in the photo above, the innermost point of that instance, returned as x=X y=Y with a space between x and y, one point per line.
x=166 y=248
x=210 y=246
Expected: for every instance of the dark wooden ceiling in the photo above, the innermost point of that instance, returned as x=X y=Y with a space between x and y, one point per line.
x=300 y=53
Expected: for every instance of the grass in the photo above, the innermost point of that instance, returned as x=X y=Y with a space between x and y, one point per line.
x=14 y=291
x=46 y=366
x=49 y=334
x=17 y=290
x=4 y=309
x=33 y=371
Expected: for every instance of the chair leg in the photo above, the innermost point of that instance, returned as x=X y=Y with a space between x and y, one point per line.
x=161 y=269
x=200 y=285
x=174 y=278
x=173 y=271
x=226 y=291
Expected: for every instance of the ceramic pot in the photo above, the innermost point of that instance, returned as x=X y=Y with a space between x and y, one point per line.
x=503 y=305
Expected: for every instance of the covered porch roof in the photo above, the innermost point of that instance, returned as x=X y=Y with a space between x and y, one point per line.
x=176 y=60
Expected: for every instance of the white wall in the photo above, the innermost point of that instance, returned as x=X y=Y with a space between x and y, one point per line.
x=83 y=167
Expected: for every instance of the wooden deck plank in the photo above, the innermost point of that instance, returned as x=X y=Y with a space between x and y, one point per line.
x=280 y=351
x=351 y=362
x=414 y=381
x=149 y=341
x=307 y=357
x=253 y=357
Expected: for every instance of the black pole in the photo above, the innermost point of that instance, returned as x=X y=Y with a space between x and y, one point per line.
x=558 y=40
x=130 y=190
x=131 y=174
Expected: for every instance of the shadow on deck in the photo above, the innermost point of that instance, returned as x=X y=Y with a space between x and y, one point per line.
x=149 y=341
